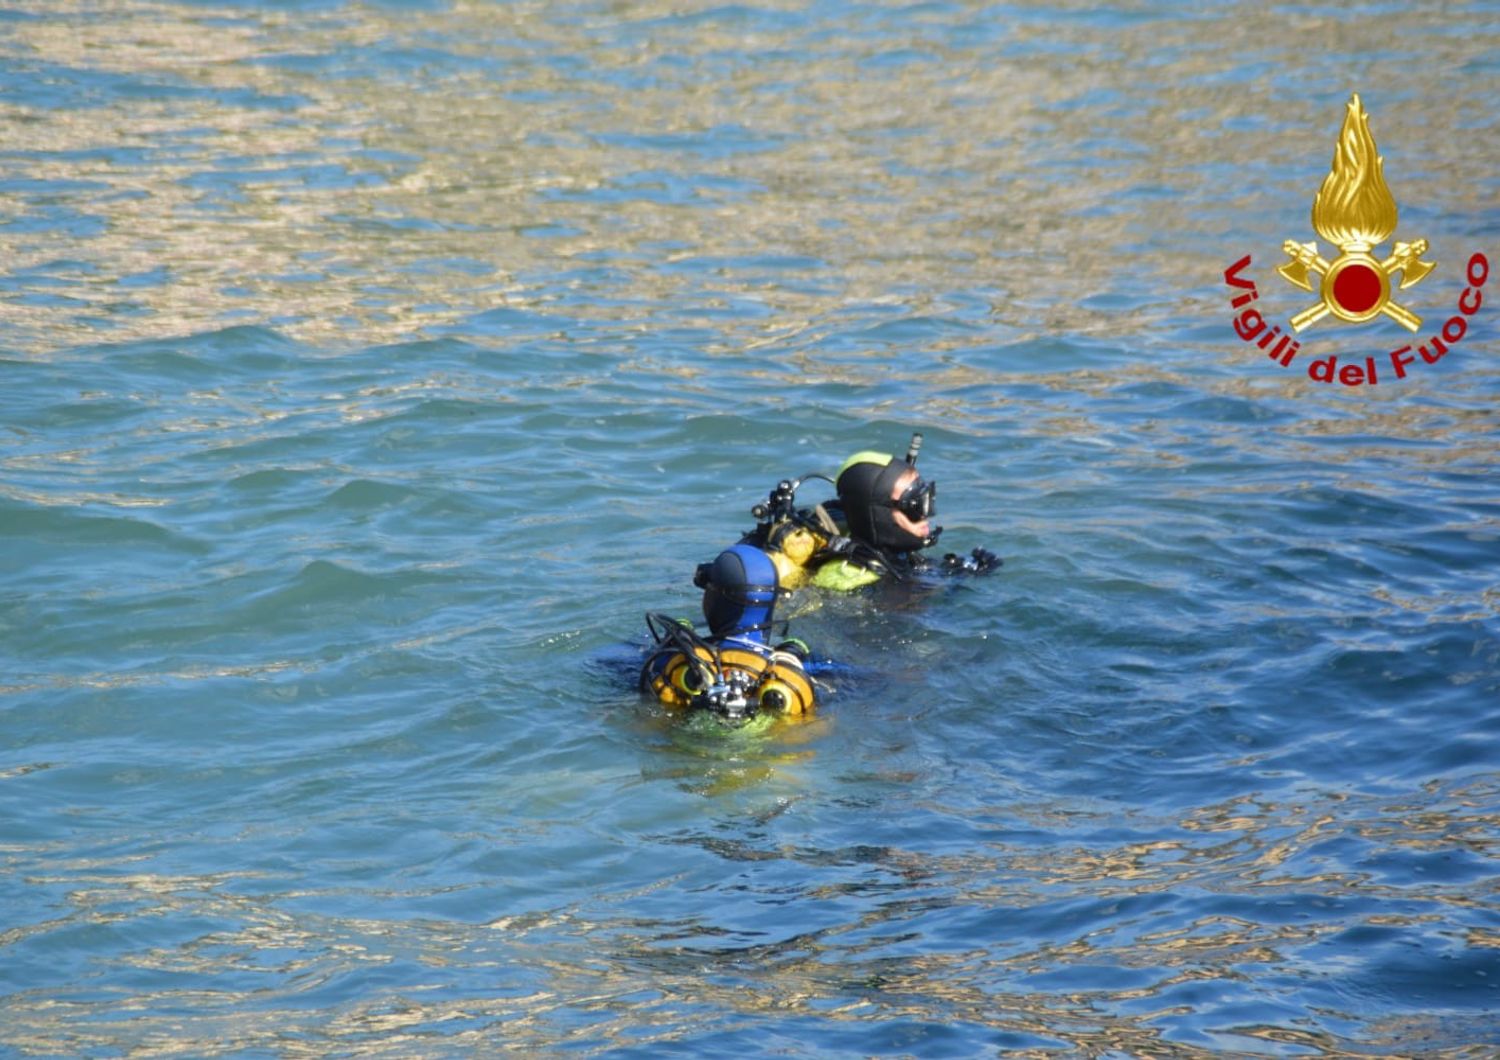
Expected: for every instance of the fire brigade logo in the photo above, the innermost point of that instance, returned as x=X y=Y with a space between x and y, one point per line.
x=1354 y=210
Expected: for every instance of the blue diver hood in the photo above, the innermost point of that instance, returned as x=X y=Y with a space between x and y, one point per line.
x=739 y=593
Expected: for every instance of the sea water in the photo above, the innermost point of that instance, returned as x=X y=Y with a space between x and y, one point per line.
x=367 y=370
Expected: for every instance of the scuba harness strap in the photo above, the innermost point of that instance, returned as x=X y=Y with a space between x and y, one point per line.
x=870 y=557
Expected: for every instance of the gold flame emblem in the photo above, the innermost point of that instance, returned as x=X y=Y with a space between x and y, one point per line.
x=1355 y=211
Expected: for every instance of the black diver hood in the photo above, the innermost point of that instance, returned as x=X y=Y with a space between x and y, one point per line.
x=864 y=485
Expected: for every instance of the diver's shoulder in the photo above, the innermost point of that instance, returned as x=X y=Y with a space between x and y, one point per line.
x=842 y=575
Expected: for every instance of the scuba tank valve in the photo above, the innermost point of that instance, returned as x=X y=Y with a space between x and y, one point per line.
x=778 y=504
x=728 y=698
x=781 y=503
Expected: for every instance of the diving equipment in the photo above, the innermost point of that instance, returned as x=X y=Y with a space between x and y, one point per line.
x=732 y=677
x=917 y=502
x=863 y=536
x=978 y=561
x=842 y=575
x=913 y=449
x=853 y=540
x=793 y=537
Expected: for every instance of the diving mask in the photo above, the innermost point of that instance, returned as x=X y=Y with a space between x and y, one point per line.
x=917 y=502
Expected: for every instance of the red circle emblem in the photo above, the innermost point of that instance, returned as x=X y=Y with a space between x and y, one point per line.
x=1357 y=288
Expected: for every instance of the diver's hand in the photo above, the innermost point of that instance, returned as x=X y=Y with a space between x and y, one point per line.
x=796 y=647
x=979 y=561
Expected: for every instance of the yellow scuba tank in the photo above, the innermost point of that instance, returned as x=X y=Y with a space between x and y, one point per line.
x=679 y=681
x=793 y=537
x=785 y=688
x=791 y=546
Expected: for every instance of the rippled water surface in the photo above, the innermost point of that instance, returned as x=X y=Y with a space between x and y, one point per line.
x=369 y=369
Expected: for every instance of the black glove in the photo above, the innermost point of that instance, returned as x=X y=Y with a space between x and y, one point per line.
x=796 y=647
x=980 y=561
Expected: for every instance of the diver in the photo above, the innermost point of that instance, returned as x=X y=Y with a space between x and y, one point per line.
x=878 y=527
x=735 y=671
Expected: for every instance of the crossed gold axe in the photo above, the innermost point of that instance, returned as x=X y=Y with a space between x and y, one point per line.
x=1405 y=258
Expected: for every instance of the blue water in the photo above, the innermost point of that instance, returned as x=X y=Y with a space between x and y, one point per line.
x=369 y=370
